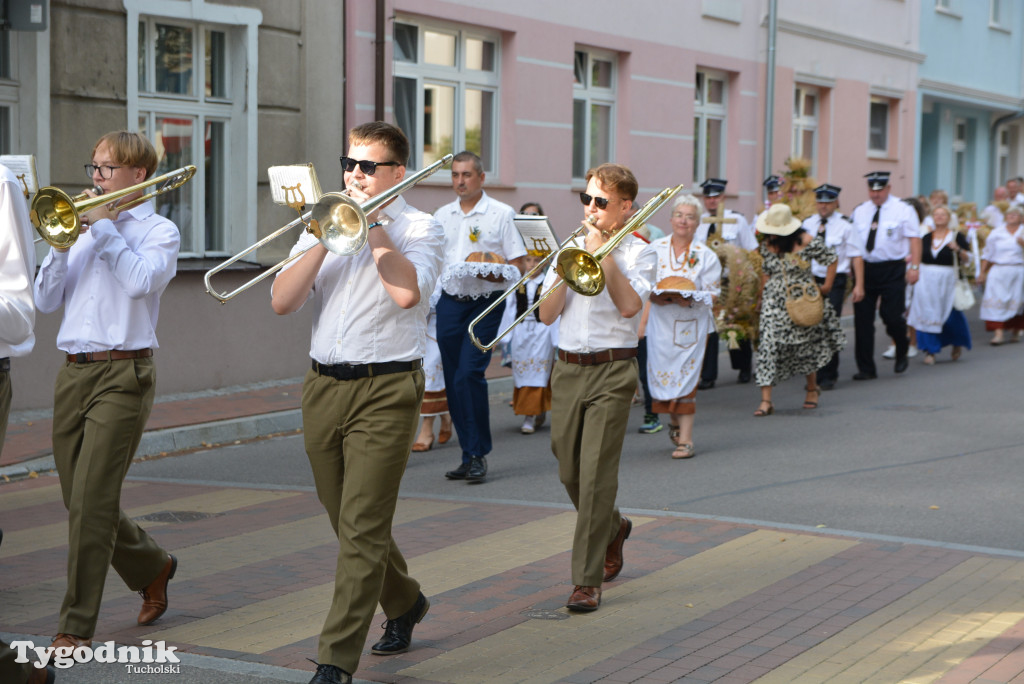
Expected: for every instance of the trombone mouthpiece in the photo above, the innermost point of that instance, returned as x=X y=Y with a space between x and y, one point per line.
x=356 y=184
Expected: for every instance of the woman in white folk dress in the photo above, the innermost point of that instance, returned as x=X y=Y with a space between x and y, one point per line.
x=932 y=314
x=435 y=401
x=1002 y=272
x=679 y=318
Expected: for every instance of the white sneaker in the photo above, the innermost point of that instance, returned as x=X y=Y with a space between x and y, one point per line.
x=540 y=419
x=912 y=352
x=528 y=428
x=890 y=353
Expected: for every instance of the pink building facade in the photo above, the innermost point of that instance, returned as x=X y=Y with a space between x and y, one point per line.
x=676 y=91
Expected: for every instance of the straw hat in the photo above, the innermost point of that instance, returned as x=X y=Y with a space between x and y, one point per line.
x=778 y=220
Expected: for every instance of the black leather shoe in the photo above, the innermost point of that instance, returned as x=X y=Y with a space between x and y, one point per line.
x=744 y=377
x=398 y=632
x=864 y=376
x=901 y=364
x=330 y=674
x=705 y=384
x=477 y=470
x=459 y=473
x=826 y=384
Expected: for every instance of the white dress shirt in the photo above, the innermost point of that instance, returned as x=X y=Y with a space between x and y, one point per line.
x=838 y=236
x=17 y=268
x=355 y=320
x=739 y=233
x=110 y=282
x=488 y=227
x=897 y=223
x=591 y=324
x=1001 y=247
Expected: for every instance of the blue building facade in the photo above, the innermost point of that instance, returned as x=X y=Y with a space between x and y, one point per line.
x=970 y=136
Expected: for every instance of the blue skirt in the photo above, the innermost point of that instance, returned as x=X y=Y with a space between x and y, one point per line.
x=954 y=332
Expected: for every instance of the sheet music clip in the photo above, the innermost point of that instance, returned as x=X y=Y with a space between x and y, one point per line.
x=24 y=168
x=538 y=237
x=294 y=186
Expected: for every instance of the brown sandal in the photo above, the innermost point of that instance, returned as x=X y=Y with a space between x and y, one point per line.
x=808 y=404
x=761 y=412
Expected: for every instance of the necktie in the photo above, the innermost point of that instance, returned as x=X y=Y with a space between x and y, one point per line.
x=711 y=227
x=874 y=230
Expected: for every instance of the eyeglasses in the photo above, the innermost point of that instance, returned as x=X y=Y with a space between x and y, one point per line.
x=105 y=171
x=601 y=202
x=348 y=164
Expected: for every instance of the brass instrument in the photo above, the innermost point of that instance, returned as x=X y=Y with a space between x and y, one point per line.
x=577 y=268
x=56 y=215
x=336 y=220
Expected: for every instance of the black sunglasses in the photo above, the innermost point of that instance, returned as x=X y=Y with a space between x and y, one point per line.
x=348 y=164
x=601 y=202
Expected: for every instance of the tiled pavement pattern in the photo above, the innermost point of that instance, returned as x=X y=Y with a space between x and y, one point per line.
x=698 y=601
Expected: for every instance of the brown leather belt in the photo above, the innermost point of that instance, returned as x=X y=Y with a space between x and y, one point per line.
x=594 y=358
x=110 y=355
x=5 y=364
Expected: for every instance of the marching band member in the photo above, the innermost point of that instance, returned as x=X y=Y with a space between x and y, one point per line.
x=594 y=379
x=360 y=401
x=109 y=283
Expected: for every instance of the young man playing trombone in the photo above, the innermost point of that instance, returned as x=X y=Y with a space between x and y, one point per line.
x=360 y=401
x=109 y=283
x=594 y=379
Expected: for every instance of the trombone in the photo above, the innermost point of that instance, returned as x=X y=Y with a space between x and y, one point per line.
x=577 y=268
x=336 y=220
x=57 y=216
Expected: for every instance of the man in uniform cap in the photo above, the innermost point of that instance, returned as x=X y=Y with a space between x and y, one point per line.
x=737 y=232
x=832 y=280
x=886 y=234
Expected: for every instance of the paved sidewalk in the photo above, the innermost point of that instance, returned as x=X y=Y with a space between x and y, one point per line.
x=699 y=600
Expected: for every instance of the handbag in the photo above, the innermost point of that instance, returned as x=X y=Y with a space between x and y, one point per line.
x=804 y=304
x=963 y=294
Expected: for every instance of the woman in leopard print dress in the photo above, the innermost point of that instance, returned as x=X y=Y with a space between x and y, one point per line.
x=784 y=348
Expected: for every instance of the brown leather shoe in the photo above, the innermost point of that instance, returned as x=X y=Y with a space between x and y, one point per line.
x=63 y=640
x=154 y=597
x=584 y=599
x=613 y=556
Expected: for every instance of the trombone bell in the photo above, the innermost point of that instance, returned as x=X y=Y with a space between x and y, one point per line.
x=581 y=272
x=341 y=223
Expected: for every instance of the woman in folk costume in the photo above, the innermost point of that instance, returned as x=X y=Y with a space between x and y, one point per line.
x=679 y=318
x=435 y=402
x=531 y=349
x=932 y=314
x=784 y=348
x=1002 y=272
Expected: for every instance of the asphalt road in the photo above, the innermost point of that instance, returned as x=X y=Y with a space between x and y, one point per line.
x=936 y=454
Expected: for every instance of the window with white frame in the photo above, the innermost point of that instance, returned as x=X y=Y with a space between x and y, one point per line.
x=959 y=160
x=593 y=109
x=191 y=91
x=709 y=124
x=878 y=126
x=9 y=94
x=995 y=13
x=446 y=90
x=1003 y=154
x=805 y=124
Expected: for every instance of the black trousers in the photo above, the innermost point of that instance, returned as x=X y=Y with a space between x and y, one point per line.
x=885 y=281
x=830 y=371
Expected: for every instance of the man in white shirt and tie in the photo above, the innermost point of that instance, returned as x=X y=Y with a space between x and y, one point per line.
x=887 y=234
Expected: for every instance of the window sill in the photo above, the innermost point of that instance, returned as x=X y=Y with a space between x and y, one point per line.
x=948 y=12
x=205 y=264
x=881 y=156
x=1001 y=29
